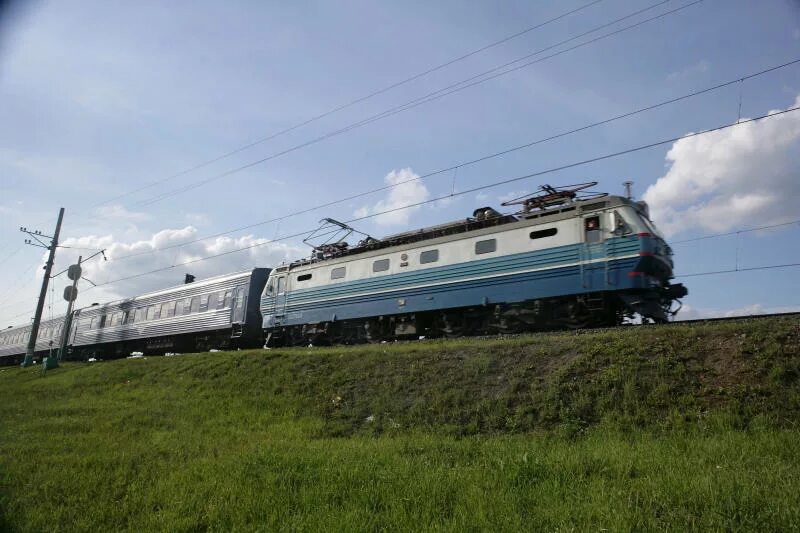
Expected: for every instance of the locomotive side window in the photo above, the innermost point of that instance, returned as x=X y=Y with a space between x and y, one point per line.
x=428 y=256
x=304 y=277
x=281 y=284
x=227 y=301
x=542 y=233
x=592 y=229
x=337 y=273
x=380 y=265
x=485 y=247
x=221 y=300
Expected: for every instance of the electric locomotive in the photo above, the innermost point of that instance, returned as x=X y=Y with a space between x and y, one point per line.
x=564 y=260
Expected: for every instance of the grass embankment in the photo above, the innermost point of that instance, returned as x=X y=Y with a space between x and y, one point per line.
x=686 y=427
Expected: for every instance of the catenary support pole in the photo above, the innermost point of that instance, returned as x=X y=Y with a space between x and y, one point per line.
x=37 y=318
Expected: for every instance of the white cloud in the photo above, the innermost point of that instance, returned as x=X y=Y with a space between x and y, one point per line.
x=698 y=68
x=402 y=194
x=688 y=312
x=197 y=219
x=741 y=176
x=260 y=252
x=119 y=212
x=481 y=197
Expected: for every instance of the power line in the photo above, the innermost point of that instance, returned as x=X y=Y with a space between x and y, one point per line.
x=474 y=189
x=356 y=101
x=12 y=254
x=457 y=87
x=731 y=271
x=737 y=232
x=30 y=312
x=470 y=162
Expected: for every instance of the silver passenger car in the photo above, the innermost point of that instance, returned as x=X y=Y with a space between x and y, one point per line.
x=14 y=340
x=220 y=312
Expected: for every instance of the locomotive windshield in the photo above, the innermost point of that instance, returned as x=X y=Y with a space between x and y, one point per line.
x=651 y=227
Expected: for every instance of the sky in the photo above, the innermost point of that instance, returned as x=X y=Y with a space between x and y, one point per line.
x=161 y=123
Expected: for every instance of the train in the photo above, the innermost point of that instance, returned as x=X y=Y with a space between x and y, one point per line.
x=562 y=260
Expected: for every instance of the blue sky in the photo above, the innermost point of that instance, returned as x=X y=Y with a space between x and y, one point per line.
x=100 y=98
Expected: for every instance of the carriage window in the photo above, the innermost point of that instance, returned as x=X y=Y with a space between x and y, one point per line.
x=127 y=317
x=114 y=319
x=204 y=303
x=169 y=309
x=281 y=284
x=592 y=226
x=212 y=300
x=380 y=265
x=542 y=233
x=220 y=296
x=304 y=277
x=485 y=247
x=429 y=256
x=337 y=273
x=102 y=322
x=187 y=306
x=195 y=305
x=140 y=314
x=240 y=298
x=228 y=295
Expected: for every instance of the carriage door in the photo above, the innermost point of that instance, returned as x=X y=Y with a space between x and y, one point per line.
x=239 y=304
x=281 y=290
x=591 y=250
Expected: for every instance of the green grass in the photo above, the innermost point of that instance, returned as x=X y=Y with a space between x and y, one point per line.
x=687 y=427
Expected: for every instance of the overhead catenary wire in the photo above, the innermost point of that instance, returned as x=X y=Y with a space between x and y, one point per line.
x=430 y=97
x=736 y=270
x=469 y=162
x=473 y=190
x=12 y=254
x=356 y=101
x=737 y=232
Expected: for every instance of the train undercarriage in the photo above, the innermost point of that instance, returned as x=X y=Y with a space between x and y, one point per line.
x=585 y=311
x=187 y=343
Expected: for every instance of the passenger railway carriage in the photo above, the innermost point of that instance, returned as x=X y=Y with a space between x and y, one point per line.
x=558 y=263
x=14 y=341
x=220 y=312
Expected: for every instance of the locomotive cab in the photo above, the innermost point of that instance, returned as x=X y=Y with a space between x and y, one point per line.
x=650 y=276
